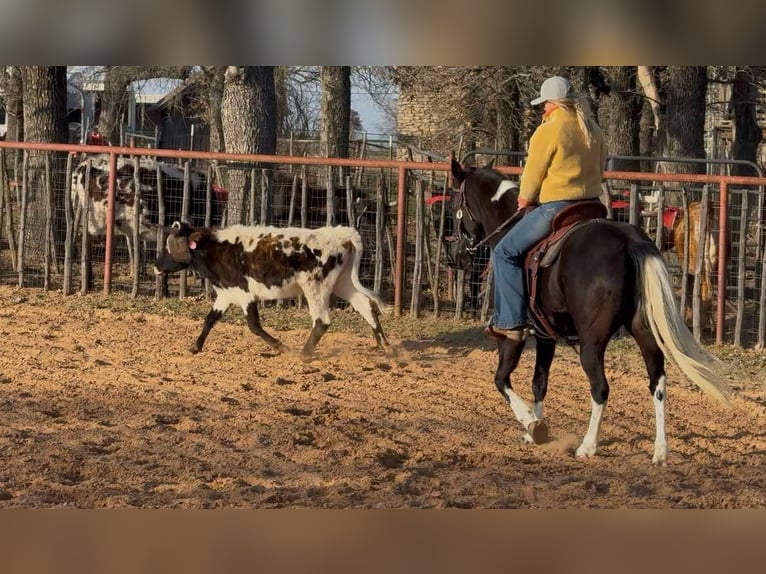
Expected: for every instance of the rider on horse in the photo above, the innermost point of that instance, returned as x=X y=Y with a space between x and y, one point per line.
x=565 y=164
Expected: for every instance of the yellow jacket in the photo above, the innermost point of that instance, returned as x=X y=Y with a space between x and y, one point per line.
x=560 y=166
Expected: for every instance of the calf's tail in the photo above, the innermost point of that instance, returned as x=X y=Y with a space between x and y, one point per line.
x=358 y=249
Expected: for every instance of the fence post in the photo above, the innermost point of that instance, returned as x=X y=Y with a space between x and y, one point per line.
x=69 y=216
x=741 y=269
x=23 y=215
x=401 y=240
x=723 y=230
x=110 y=223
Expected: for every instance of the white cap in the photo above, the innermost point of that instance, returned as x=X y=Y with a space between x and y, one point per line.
x=555 y=88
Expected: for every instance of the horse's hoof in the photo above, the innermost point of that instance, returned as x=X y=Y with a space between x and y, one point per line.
x=585 y=451
x=660 y=458
x=194 y=349
x=538 y=430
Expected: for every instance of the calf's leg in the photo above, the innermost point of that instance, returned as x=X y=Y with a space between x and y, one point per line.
x=344 y=288
x=319 y=308
x=254 y=323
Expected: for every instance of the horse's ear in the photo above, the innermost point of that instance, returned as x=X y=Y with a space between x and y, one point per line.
x=491 y=163
x=457 y=171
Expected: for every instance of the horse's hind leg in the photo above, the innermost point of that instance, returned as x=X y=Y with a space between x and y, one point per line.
x=546 y=348
x=592 y=361
x=655 y=366
x=509 y=353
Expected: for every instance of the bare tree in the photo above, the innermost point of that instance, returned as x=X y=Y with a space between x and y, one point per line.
x=336 y=110
x=747 y=133
x=682 y=124
x=619 y=114
x=44 y=94
x=249 y=120
x=115 y=96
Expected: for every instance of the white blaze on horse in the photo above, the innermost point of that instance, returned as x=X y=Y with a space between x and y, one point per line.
x=587 y=280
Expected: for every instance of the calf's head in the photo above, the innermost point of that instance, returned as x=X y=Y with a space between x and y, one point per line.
x=177 y=252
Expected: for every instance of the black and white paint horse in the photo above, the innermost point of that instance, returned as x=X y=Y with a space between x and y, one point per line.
x=607 y=275
x=248 y=264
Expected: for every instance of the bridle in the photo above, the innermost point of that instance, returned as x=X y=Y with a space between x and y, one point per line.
x=471 y=247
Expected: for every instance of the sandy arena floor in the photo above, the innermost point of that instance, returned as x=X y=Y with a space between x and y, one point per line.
x=107 y=408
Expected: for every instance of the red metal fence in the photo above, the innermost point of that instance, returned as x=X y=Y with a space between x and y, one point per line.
x=407 y=241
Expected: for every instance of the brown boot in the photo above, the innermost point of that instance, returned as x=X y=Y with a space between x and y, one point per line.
x=515 y=334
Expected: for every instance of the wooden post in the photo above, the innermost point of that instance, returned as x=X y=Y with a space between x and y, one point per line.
x=741 y=254
x=380 y=217
x=685 y=262
x=293 y=199
x=251 y=199
x=184 y=217
x=48 y=224
x=23 y=215
x=161 y=282
x=635 y=206
x=304 y=198
x=137 y=255
x=696 y=304
x=110 y=199
x=265 y=197
x=723 y=231
x=69 y=240
x=660 y=209
x=401 y=241
x=417 y=269
x=8 y=207
x=86 y=270
x=439 y=242
x=350 y=211
x=330 y=198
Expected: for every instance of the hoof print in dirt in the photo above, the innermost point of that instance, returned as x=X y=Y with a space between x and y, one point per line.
x=304 y=439
x=383 y=367
x=229 y=400
x=281 y=381
x=167 y=419
x=391 y=458
x=326 y=377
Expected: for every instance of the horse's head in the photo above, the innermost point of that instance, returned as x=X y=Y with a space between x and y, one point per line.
x=477 y=206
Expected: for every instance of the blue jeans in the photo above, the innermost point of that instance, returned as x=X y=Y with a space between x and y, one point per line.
x=508 y=262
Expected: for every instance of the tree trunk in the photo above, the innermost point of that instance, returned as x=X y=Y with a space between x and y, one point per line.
x=45 y=93
x=747 y=134
x=509 y=120
x=336 y=110
x=214 y=100
x=248 y=116
x=682 y=129
x=14 y=113
x=620 y=116
x=114 y=100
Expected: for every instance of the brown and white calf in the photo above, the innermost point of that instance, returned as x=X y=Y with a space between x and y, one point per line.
x=248 y=264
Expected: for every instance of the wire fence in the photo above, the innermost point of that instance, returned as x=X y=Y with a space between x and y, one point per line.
x=54 y=228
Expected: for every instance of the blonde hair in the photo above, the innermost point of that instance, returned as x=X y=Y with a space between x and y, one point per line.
x=588 y=126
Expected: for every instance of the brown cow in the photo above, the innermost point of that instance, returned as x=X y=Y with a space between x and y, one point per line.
x=709 y=258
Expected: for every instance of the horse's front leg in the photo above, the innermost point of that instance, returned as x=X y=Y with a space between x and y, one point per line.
x=509 y=352
x=545 y=349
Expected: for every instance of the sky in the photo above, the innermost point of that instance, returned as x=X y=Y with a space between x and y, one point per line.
x=372 y=115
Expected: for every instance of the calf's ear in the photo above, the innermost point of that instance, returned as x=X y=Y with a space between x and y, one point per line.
x=194 y=240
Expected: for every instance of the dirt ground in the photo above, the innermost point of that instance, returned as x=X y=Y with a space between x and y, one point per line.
x=102 y=405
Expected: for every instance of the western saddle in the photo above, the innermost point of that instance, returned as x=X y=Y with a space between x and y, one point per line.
x=547 y=251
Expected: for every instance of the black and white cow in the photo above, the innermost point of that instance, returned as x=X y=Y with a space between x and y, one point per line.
x=125 y=195
x=172 y=180
x=248 y=264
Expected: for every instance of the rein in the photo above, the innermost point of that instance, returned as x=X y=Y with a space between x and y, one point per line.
x=513 y=219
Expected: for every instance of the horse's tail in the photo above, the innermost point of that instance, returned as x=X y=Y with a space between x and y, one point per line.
x=659 y=309
x=358 y=248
